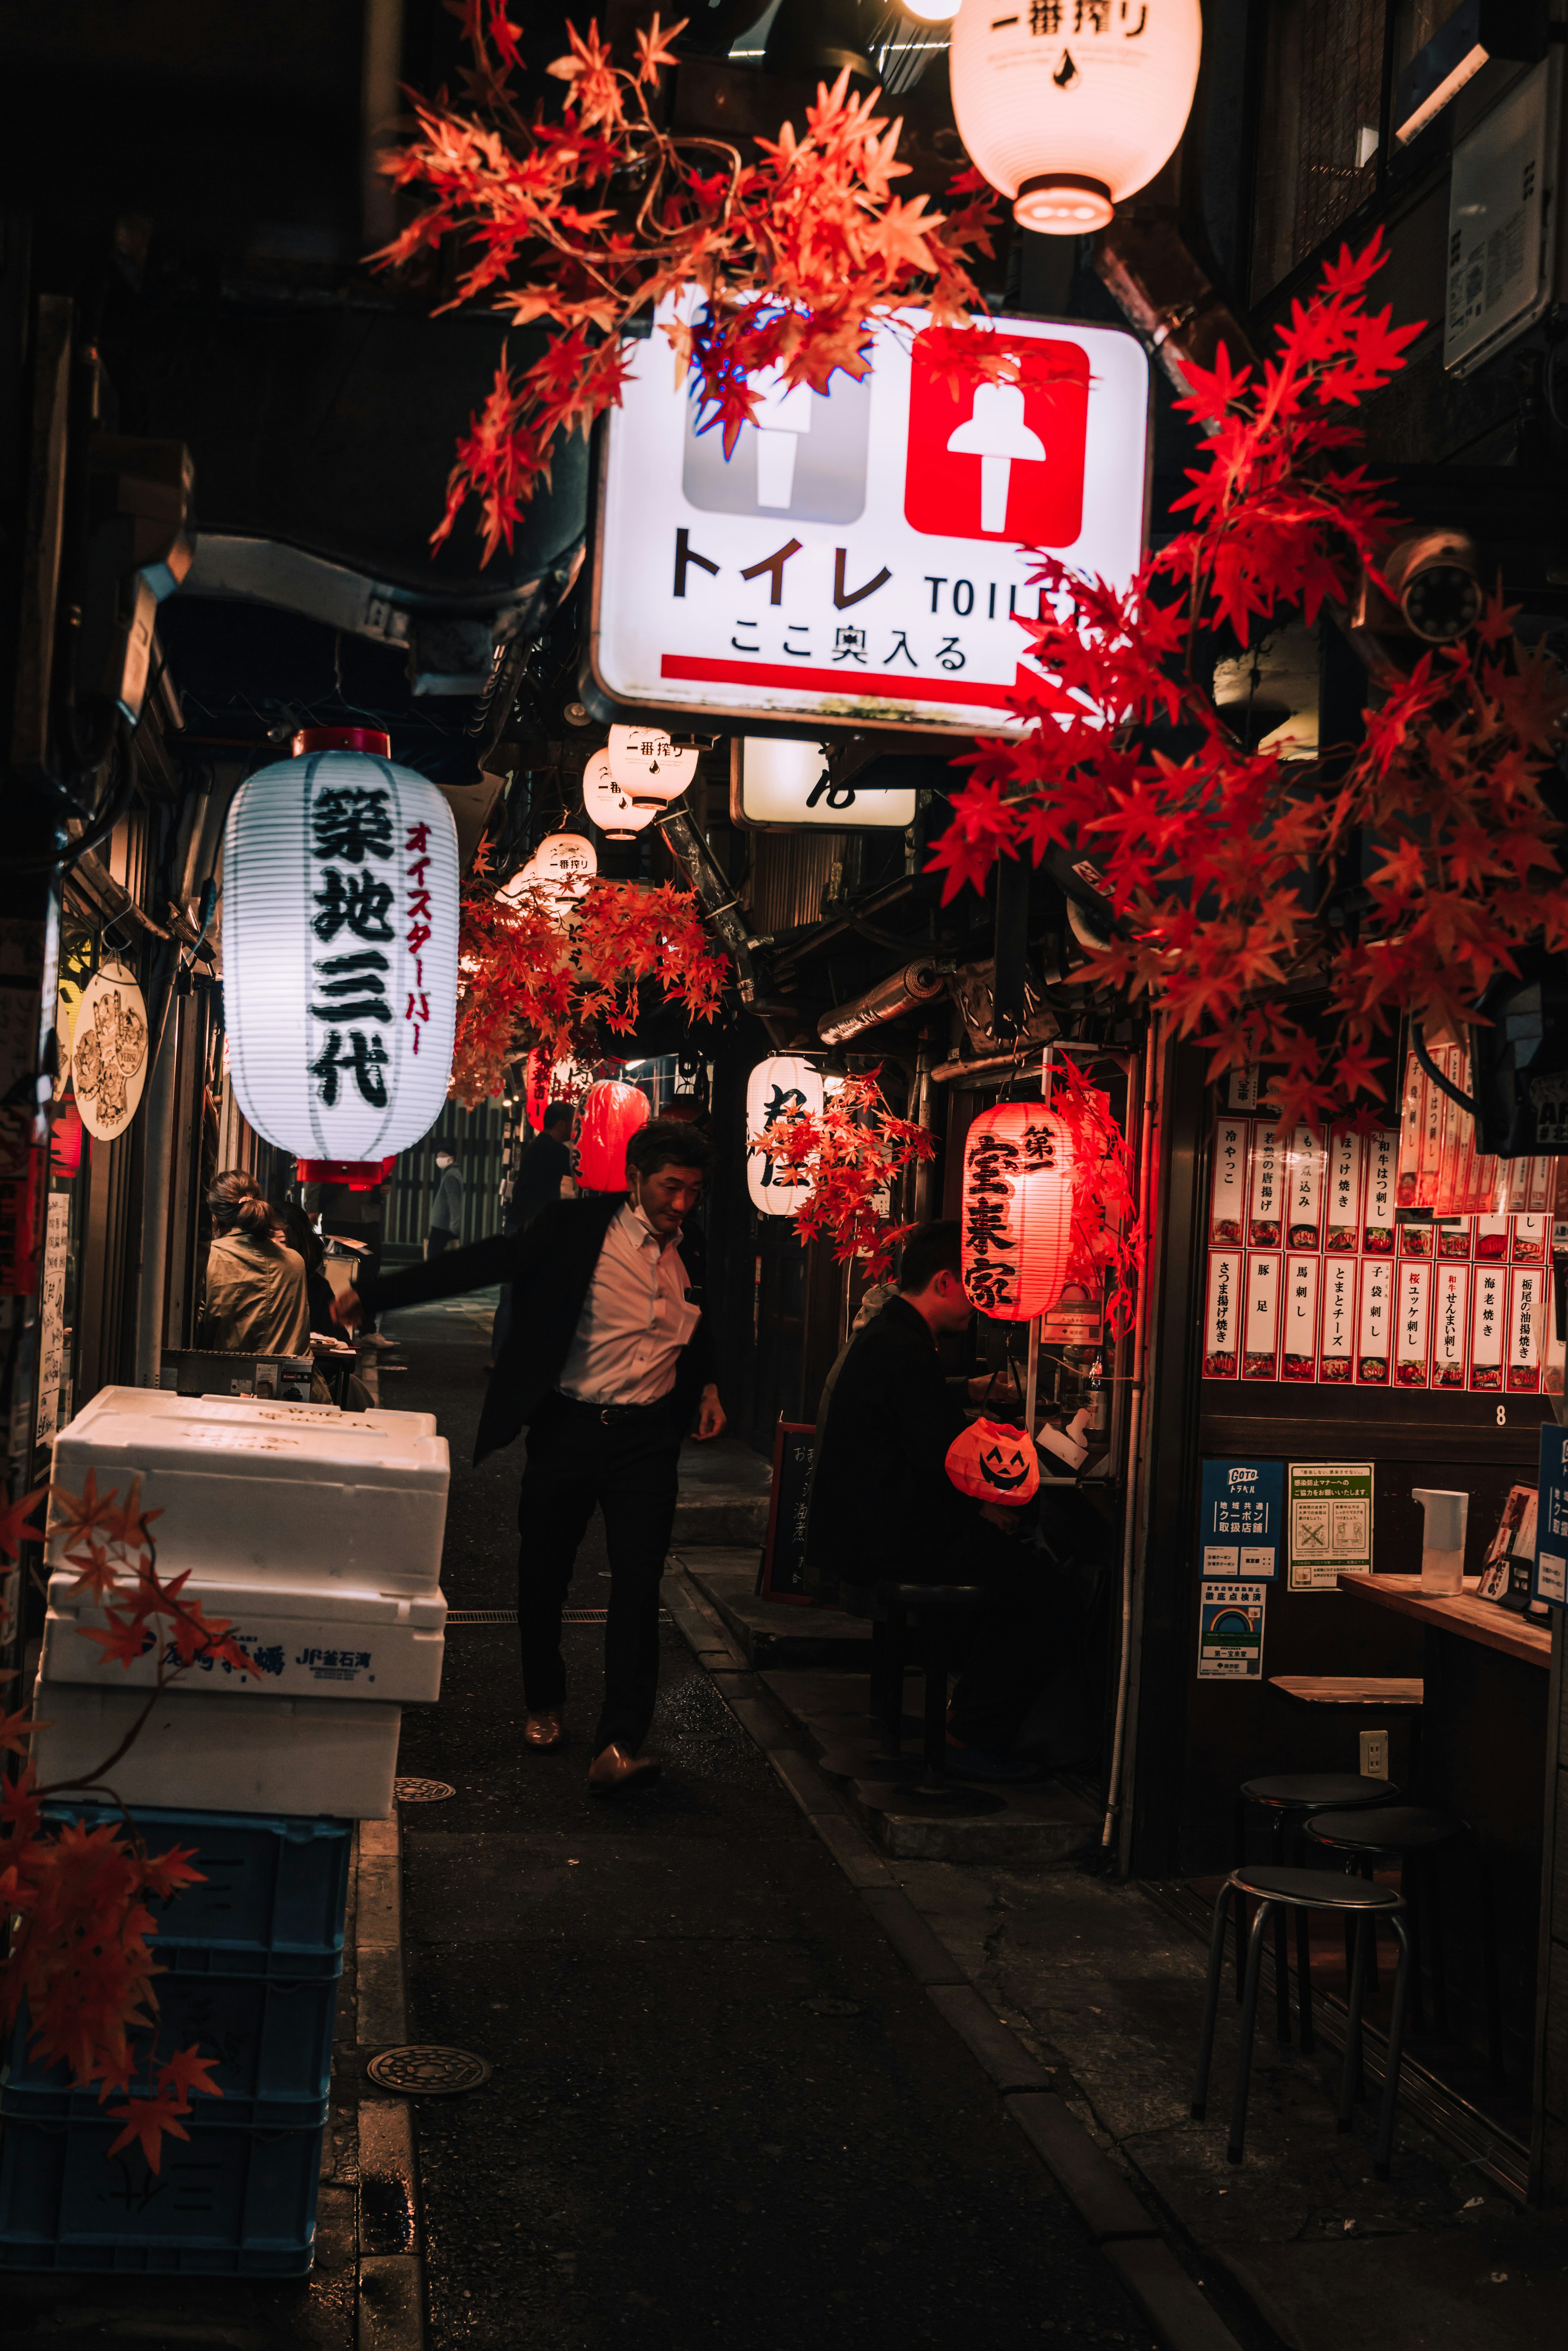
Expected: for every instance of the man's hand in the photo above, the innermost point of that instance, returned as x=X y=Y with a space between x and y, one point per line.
x=346 y=1310
x=710 y=1413
x=1005 y=1381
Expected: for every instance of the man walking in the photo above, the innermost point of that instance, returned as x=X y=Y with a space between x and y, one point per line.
x=609 y=1357
x=446 y=1208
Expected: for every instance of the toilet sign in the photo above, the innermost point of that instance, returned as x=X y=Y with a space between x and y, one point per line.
x=861 y=555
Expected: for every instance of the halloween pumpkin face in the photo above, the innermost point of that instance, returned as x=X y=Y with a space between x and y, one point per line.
x=994 y=1462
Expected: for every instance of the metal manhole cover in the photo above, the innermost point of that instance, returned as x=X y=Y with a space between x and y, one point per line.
x=424 y=2070
x=422 y=1792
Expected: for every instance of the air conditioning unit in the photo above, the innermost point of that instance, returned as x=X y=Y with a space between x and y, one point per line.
x=1502 y=224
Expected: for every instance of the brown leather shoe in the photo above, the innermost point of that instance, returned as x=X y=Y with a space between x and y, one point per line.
x=543 y=1731
x=615 y=1774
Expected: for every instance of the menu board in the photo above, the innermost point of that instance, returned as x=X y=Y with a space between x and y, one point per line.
x=1312 y=1279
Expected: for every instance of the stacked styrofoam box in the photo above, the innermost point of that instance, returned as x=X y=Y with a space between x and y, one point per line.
x=316 y=1534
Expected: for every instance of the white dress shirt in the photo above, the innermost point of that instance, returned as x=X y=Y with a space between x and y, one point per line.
x=635 y=1318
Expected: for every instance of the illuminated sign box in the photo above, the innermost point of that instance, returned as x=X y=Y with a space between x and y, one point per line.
x=859 y=557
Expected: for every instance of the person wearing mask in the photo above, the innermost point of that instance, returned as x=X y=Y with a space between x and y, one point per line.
x=608 y=1360
x=256 y=1298
x=883 y=1504
x=544 y=1161
x=446 y=1208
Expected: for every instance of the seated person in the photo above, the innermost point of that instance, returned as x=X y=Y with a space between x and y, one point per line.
x=256 y=1300
x=883 y=1506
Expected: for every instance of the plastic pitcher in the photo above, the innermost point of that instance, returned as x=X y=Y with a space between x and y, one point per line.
x=1443 y=1550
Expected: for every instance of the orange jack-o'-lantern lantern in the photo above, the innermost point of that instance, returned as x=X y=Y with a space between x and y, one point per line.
x=995 y=1462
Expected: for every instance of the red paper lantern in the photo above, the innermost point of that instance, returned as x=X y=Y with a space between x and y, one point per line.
x=995 y=1462
x=612 y=1113
x=1018 y=1210
x=548 y=1081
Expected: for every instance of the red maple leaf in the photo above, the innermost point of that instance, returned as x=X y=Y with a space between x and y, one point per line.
x=147 y=2121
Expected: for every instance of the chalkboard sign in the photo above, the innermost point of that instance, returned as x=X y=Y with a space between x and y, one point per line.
x=783 y=1574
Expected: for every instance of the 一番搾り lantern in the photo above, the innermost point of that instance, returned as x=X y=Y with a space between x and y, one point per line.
x=1017 y=1211
x=1068 y=105
x=611 y=1114
x=339 y=939
x=995 y=1462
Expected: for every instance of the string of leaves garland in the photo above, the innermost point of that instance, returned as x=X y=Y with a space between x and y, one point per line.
x=852 y=1150
x=527 y=981
x=585 y=222
x=80 y=1959
x=1107 y=1251
x=1215 y=853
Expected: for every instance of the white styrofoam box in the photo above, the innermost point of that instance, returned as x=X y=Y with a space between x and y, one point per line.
x=251 y=1489
x=320 y=1642
x=302 y=1755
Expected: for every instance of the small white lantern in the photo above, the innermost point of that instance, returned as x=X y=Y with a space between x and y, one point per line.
x=782 y=1087
x=647 y=765
x=557 y=874
x=614 y=811
x=339 y=935
x=1070 y=106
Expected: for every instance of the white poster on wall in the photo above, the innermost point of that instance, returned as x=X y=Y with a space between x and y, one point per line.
x=52 y=1315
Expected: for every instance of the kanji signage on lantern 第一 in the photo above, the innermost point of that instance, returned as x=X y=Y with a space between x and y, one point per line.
x=860 y=555
x=1243 y=1505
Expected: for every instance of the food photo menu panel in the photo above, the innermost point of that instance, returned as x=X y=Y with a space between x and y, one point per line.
x=1310 y=1277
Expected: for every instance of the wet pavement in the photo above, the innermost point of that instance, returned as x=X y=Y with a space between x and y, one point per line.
x=722 y=2111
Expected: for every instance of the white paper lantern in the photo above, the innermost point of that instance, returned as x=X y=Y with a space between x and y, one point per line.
x=647 y=765
x=777 y=1087
x=1069 y=106
x=614 y=811
x=557 y=874
x=339 y=935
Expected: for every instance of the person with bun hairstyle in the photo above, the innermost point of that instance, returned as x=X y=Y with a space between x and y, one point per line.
x=256 y=1301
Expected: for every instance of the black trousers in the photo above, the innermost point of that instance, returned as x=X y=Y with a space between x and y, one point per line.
x=1013 y=1650
x=440 y=1238
x=627 y=1465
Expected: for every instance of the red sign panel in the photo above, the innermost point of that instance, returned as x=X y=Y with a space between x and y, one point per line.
x=998 y=461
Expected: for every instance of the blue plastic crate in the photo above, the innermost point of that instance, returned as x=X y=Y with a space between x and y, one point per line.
x=225 y=2202
x=271 y=2036
x=274 y=1887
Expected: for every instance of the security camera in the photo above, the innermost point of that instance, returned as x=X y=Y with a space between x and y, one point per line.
x=1434 y=578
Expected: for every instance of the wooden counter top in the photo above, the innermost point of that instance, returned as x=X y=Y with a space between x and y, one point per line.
x=1472 y=1619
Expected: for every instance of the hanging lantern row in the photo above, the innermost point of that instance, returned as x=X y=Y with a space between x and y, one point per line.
x=611 y=1114
x=639 y=771
x=1070 y=109
x=339 y=943
x=1016 y=1213
x=782 y=1087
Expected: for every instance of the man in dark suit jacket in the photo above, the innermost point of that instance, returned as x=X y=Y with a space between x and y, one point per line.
x=609 y=1359
x=545 y=1161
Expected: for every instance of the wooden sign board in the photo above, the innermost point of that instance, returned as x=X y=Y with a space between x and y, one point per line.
x=783 y=1572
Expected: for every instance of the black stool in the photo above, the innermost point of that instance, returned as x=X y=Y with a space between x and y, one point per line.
x=1409 y=1837
x=1305 y=1890
x=930 y=1603
x=1287 y=1798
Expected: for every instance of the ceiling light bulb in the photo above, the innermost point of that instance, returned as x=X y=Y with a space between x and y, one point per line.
x=930 y=12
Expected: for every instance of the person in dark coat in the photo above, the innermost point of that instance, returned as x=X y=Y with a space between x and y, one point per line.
x=446 y=1208
x=608 y=1361
x=543 y=1165
x=883 y=1504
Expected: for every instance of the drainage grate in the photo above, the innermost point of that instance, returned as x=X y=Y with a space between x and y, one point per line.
x=422 y=1792
x=427 y=2071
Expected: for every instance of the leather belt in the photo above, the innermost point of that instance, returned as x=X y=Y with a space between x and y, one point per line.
x=609 y=1413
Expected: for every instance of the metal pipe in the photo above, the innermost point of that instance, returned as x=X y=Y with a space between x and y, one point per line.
x=946 y=1072
x=918 y=984
x=714 y=894
x=1134 y=1490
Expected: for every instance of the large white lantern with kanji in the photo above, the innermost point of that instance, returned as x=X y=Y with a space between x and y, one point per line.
x=339 y=940
x=1069 y=106
x=778 y=1090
